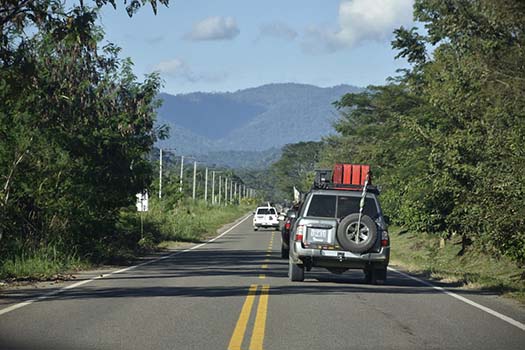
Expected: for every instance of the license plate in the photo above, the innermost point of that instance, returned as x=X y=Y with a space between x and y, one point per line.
x=260 y=217
x=318 y=235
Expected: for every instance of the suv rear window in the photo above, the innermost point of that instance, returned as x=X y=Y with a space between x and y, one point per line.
x=325 y=206
x=265 y=211
x=347 y=205
x=322 y=206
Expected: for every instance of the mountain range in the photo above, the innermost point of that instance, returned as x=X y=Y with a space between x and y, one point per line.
x=218 y=126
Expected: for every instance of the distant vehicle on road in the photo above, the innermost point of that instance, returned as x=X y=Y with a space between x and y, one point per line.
x=341 y=226
x=265 y=217
x=285 y=231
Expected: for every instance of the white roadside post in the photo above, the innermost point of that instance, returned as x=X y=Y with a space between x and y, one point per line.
x=142 y=206
x=160 y=175
x=181 y=172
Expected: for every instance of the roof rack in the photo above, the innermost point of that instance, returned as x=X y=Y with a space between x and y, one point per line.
x=341 y=187
x=344 y=177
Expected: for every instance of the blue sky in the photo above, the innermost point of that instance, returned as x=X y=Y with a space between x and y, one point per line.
x=226 y=45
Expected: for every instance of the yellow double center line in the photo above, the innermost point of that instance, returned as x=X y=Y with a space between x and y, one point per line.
x=256 y=342
x=268 y=254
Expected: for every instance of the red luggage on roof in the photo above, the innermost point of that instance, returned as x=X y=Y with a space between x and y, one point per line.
x=351 y=174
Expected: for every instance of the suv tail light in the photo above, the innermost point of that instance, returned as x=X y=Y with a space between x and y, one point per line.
x=287 y=225
x=385 y=239
x=299 y=233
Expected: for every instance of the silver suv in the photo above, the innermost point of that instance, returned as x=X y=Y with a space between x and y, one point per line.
x=329 y=232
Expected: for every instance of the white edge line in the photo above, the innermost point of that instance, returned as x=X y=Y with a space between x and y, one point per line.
x=465 y=300
x=74 y=285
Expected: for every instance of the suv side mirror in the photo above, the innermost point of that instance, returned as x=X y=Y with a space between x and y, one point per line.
x=291 y=214
x=387 y=219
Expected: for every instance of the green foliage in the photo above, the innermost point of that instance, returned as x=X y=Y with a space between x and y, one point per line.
x=188 y=221
x=260 y=180
x=75 y=128
x=474 y=269
x=446 y=138
x=295 y=168
x=44 y=263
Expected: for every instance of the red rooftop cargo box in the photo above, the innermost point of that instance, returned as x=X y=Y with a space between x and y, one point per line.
x=337 y=177
x=351 y=174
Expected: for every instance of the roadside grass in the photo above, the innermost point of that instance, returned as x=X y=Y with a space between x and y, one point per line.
x=163 y=228
x=475 y=269
x=45 y=263
x=193 y=221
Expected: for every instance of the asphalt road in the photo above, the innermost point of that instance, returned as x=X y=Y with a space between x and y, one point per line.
x=233 y=293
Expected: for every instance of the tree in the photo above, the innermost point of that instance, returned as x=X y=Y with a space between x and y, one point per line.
x=295 y=167
x=444 y=137
x=75 y=128
x=476 y=83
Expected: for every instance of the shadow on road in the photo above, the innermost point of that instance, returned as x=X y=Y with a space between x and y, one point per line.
x=228 y=264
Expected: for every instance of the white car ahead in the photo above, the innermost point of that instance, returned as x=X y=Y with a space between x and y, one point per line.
x=265 y=217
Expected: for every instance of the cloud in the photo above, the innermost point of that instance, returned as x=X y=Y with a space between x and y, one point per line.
x=180 y=70
x=276 y=29
x=214 y=28
x=174 y=68
x=359 y=21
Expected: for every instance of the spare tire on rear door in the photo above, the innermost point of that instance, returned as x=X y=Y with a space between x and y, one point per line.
x=354 y=241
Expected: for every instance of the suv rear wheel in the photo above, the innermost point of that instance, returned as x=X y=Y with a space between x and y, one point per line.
x=354 y=239
x=295 y=272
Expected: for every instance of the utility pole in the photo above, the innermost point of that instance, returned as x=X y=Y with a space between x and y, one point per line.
x=160 y=175
x=220 y=185
x=213 y=187
x=226 y=191
x=206 y=185
x=181 y=172
x=231 y=190
x=194 y=177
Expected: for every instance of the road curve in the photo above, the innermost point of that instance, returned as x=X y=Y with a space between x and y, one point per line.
x=233 y=293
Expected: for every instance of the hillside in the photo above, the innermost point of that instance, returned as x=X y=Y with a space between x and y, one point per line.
x=254 y=119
